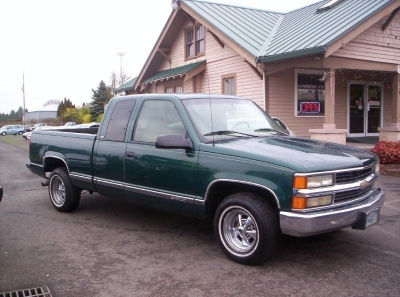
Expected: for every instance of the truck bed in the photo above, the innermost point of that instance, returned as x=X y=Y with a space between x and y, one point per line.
x=76 y=148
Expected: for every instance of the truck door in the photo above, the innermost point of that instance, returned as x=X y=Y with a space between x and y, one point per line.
x=166 y=173
x=109 y=150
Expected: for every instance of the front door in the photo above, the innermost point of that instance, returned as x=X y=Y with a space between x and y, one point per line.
x=365 y=109
x=160 y=170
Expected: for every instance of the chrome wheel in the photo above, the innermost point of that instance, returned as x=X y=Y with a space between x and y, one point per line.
x=57 y=191
x=238 y=230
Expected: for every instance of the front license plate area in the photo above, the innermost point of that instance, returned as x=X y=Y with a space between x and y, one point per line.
x=367 y=219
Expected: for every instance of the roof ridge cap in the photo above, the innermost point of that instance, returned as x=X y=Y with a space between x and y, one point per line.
x=237 y=6
x=271 y=35
x=305 y=6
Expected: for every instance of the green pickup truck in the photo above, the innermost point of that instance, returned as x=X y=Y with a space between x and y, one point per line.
x=212 y=157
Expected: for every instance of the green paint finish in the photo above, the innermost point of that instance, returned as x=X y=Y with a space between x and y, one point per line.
x=167 y=175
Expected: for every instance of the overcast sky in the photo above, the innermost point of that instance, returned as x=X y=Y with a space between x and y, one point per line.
x=66 y=47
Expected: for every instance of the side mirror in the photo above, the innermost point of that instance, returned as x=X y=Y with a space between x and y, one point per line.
x=173 y=141
x=279 y=123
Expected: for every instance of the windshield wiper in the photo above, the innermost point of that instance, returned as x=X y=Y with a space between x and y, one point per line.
x=270 y=130
x=228 y=132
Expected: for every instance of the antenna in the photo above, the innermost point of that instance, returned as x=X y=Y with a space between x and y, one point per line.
x=209 y=100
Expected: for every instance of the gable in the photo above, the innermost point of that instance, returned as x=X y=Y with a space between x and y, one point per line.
x=375 y=44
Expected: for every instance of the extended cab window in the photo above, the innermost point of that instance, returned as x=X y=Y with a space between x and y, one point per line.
x=119 y=120
x=157 y=118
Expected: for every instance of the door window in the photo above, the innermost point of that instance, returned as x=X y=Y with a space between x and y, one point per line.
x=119 y=120
x=356 y=108
x=157 y=118
x=374 y=108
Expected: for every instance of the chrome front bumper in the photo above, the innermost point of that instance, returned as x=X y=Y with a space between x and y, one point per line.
x=312 y=223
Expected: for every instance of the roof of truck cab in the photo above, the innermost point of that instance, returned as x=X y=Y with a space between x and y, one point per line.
x=178 y=96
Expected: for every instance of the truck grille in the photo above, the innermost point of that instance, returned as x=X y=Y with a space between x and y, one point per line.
x=352 y=194
x=353 y=176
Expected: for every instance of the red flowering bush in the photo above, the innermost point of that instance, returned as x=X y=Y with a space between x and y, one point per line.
x=387 y=151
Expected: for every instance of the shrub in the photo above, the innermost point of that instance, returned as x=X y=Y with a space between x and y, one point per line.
x=387 y=151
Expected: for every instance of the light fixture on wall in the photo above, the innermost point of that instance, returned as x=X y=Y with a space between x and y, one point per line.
x=175 y=4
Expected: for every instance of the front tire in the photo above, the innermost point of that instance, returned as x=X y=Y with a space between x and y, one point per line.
x=246 y=227
x=20 y=133
x=63 y=195
x=4 y=133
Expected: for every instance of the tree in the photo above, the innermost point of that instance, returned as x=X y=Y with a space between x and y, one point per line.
x=100 y=97
x=63 y=106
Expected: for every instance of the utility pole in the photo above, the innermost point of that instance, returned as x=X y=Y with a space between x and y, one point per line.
x=121 y=73
x=23 y=97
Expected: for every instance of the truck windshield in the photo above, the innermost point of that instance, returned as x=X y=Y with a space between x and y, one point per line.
x=231 y=118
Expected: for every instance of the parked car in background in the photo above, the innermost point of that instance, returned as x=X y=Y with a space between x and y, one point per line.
x=12 y=130
x=35 y=126
x=27 y=135
x=68 y=124
x=88 y=125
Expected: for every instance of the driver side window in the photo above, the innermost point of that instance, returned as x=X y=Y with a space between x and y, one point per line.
x=157 y=118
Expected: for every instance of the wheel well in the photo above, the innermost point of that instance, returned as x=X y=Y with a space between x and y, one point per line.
x=51 y=163
x=220 y=190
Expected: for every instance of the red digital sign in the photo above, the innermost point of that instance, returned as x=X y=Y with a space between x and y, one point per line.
x=310 y=107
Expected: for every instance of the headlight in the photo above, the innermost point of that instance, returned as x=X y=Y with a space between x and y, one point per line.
x=316 y=181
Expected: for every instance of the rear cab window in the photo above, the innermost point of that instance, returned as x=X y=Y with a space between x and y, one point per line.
x=117 y=125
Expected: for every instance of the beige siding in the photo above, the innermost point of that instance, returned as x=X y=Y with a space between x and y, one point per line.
x=220 y=62
x=282 y=104
x=375 y=45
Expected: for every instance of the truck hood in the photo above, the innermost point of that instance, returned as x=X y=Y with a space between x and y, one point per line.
x=299 y=154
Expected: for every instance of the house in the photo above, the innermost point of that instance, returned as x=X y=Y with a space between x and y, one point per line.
x=329 y=70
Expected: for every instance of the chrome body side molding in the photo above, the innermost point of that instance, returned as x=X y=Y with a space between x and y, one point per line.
x=146 y=191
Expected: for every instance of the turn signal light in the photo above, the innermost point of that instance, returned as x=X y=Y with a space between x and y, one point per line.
x=300 y=182
x=299 y=202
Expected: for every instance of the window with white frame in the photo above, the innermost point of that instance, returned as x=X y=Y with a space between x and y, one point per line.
x=310 y=93
x=229 y=84
x=174 y=89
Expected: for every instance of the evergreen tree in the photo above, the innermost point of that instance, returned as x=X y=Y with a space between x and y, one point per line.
x=63 y=105
x=100 y=97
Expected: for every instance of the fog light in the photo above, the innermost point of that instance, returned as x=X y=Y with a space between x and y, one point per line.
x=319 y=201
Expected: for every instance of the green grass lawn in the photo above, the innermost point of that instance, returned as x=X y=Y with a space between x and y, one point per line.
x=15 y=140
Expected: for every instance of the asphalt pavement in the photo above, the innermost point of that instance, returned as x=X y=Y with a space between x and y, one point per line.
x=112 y=247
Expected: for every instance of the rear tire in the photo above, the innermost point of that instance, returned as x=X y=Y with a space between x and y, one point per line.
x=64 y=196
x=246 y=227
x=20 y=133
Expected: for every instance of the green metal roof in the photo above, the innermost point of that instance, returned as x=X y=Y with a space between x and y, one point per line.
x=126 y=86
x=270 y=36
x=248 y=27
x=169 y=73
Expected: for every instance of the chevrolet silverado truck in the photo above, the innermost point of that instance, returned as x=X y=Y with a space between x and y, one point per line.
x=213 y=157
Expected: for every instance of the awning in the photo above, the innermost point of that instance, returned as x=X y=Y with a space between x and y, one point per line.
x=187 y=71
x=127 y=86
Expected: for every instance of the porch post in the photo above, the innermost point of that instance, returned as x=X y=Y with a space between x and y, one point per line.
x=329 y=119
x=329 y=131
x=392 y=131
